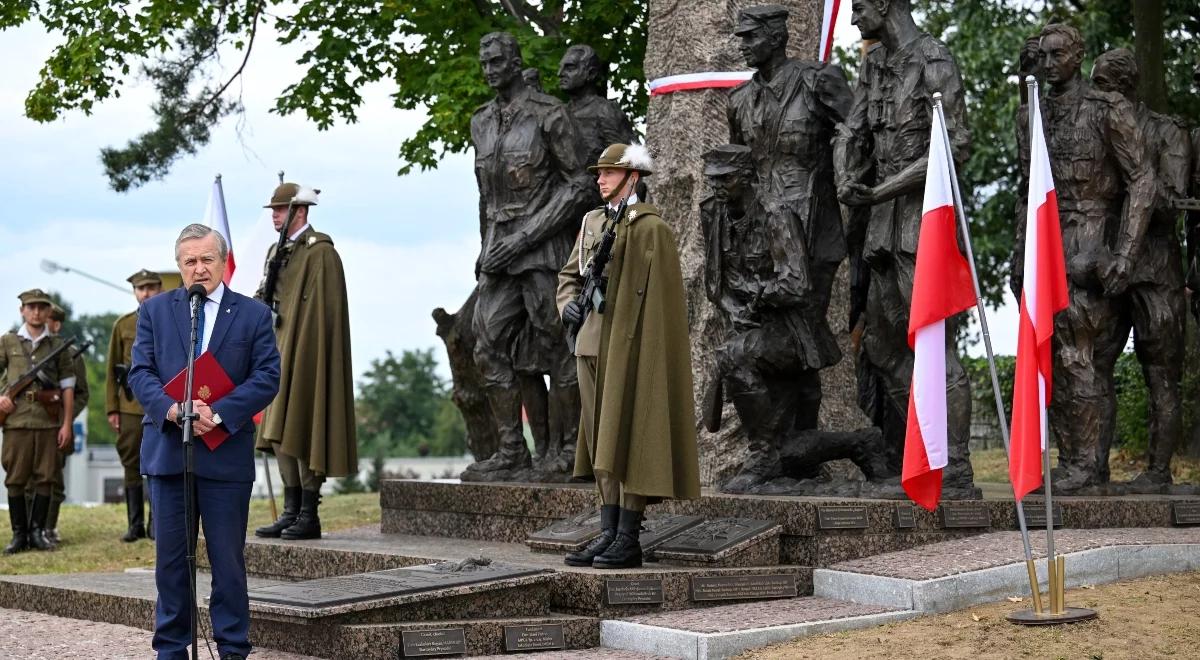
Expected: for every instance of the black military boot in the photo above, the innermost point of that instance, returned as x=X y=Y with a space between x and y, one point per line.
x=625 y=551
x=19 y=517
x=135 y=500
x=149 y=519
x=37 y=523
x=52 y=522
x=308 y=523
x=291 y=509
x=610 y=515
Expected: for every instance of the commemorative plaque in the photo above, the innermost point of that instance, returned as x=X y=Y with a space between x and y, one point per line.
x=570 y=533
x=841 y=516
x=634 y=592
x=1035 y=514
x=743 y=587
x=656 y=531
x=327 y=592
x=1185 y=513
x=904 y=516
x=541 y=637
x=425 y=643
x=716 y=535
x=966 y=514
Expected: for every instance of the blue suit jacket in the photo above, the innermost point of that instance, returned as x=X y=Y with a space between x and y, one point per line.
x=243 y=343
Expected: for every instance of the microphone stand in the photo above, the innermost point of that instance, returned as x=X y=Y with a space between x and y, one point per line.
x=189 y=471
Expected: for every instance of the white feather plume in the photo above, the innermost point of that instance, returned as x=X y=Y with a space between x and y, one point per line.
x=306 y=195
x=637 y=157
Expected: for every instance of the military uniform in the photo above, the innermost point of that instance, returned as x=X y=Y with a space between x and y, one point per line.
x=30 y=449
x=58 y=493
x=1104 y=184
x=309 y=427
x=884 y=144
x=637 y=433
x=119 y=401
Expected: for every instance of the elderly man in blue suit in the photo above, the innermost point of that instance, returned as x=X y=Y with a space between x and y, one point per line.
x=238 y=332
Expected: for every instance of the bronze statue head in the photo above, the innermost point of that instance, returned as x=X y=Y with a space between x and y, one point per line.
x=1061 y=50
x=1117 y=71
x=580 y=70
x=763 y=33
x=500 y=57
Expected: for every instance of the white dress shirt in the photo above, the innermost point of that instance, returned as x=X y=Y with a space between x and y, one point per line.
x=212 y=307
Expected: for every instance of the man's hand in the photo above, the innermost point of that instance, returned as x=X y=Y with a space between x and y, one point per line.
x=204 y=418
x=856 y=194
x=114 y=420
x=502 y=253
x=572 y=314
x=66 y=435
x=1116 y=277
x=6 y=404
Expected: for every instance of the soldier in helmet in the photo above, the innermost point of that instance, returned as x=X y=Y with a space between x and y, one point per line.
x=39 y=420
x=310 y=425
x=637 y=431
x=1154 y=305
x=1105 y=188
x=124 y=412
x=58 y=316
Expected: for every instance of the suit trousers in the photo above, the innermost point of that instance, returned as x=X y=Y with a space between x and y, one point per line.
x=224 y=507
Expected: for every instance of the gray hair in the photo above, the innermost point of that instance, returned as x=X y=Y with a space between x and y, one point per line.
x=197 y=230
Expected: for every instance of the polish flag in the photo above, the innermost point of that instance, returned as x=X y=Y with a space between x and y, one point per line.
x=828 y=21
x=1044 y=295
x=216 y=217
x=942 y=287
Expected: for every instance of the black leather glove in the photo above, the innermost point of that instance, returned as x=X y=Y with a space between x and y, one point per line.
x=572 y=314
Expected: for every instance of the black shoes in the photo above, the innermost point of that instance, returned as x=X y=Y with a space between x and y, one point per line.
x=19 y=516
x=625 y=551
x=291 y=509
x=135 y=500
x=610 y=515
x=308 y=523
x=37 y=523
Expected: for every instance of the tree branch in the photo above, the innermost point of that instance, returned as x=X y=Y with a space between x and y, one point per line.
x=236 y=74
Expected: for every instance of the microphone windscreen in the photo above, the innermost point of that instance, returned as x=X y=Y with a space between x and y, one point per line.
x=197 y=290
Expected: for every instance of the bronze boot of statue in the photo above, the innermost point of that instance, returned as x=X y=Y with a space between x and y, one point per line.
x=762 y=421
x=514 y=453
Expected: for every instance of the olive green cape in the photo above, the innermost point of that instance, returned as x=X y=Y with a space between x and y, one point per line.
x=312 y=417
x=645 y=424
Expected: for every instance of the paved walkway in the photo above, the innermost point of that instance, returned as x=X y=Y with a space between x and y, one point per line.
x=33 y=636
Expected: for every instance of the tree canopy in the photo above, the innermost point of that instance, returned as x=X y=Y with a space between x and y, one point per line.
x=427 y=49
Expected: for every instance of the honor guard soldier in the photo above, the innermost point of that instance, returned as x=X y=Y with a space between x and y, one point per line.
x=310 y=425
x=124 y=412
x=58 y=316
x=637 y=429
x=37 y=419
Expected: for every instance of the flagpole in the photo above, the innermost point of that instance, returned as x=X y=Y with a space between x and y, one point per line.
x=987 y=343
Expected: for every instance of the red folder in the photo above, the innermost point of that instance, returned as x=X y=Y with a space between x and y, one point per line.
x=209 y=384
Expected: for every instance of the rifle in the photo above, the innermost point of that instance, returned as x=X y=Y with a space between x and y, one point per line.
x=592 y=295
x=81 y=349
x=275 y=265
x=27 y=378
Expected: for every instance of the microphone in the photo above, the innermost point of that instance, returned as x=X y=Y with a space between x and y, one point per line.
x=196 y=293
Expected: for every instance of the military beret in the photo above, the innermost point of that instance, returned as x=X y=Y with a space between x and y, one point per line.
x=726 y=159
x=294 y=194
x=35 y=296
x=752 y=18
x=143 y=277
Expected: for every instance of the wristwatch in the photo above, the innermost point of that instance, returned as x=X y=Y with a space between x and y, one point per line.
x=216 y=418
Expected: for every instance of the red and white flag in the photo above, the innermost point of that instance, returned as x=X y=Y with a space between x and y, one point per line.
x=216 y=217
x=828 y=21
x=942 y=287
x=1044 y=294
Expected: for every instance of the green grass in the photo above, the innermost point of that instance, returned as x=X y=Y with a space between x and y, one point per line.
x=991 y=466
x=92 y=535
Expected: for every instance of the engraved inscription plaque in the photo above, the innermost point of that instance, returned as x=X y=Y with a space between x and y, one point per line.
x=841 y=516
x=327 y=592
x=1035 y=514
x=576 y=530
x=534 y=638
x=656 y=531
x=966 y=514
x=633 y=592
x=905 y=516
x=716 y=535
x=1185 y=513
x=425 y=643
x=743 y=587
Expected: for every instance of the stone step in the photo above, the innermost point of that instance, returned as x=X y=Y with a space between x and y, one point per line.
x=815 y=531
x=128 y=599
x=578 y=590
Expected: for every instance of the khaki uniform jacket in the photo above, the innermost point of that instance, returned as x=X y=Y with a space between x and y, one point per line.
x=312 y=417
x=645 y=424
x=570 y=280
x=120 y=351
x=14 y=363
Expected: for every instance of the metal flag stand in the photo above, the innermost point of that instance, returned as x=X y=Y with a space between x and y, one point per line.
x=1056 y=571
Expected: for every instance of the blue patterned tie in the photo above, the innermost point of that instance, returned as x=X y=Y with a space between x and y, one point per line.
x=199 y=329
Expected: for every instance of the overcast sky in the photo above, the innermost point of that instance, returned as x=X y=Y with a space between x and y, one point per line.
x=408 y=243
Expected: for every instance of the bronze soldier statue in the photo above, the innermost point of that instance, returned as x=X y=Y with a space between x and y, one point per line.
x=532 y=192
x=1154 y=305
x=1105 y=189
x=598 y=120
x=786 y=117
x=882 y=151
